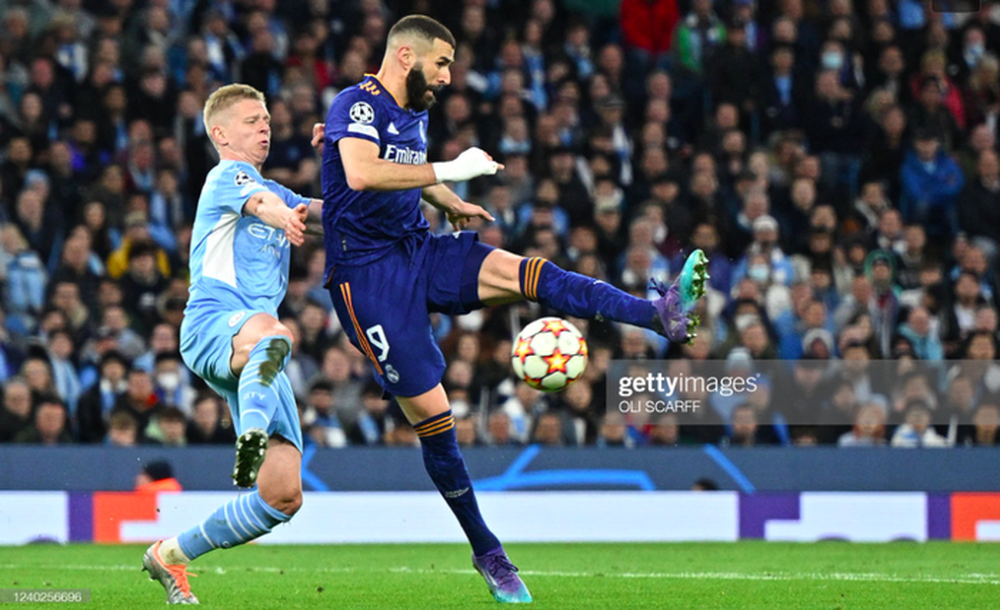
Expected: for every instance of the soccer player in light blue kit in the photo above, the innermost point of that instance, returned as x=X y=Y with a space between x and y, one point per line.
x=386 y=272
x=240 y=248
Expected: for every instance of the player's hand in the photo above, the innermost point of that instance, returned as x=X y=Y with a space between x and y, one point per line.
x=464 y=212
x=319 y=133
x=472 y=163
x=295 y=225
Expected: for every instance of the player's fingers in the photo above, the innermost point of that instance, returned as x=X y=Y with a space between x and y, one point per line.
x=294 y=237
x=484 y=214
x=499 y=167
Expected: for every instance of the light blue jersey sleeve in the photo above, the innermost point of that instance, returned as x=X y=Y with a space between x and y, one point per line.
x=290 y=197
x=237 y=182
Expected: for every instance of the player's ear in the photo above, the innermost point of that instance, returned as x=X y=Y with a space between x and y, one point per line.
x=406 y=56
x=219 y=135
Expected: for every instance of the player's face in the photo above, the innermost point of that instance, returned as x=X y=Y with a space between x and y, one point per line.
x=248 y=130
x=429 y=75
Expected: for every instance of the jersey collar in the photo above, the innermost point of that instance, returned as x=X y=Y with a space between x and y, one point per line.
x=379 y=84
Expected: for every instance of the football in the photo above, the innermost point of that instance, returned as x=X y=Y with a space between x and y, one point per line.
x=549 y=354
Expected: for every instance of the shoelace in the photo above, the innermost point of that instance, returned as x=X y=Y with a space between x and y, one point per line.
x=657 y=285
x=182 y=582
x=502 y=562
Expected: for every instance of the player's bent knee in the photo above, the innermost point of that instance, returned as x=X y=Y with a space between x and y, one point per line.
x=499 y=277
x=287 y=499
x=278 y=329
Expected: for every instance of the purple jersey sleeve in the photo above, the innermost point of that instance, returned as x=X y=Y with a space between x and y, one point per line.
x=354 y=114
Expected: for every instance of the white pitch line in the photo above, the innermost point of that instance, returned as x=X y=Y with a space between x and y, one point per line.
x=963 y=579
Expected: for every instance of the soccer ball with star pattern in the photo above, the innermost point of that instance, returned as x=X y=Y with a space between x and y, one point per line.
x=549 y=354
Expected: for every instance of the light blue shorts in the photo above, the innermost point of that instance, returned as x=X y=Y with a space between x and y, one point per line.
x=207 y=347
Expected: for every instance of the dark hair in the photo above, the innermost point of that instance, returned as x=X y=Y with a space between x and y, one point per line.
x=321 y=386
x=707 y=484
x=49 y=399
x=159 y=470
x=424 y=27
x=167 y=356
x=171 y=412
x=115 y=356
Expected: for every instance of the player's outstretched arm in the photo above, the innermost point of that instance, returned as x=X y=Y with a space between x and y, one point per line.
x=273 y=211
x=459 y=212
x=365 y=171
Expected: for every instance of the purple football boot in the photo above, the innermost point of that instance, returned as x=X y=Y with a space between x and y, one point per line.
x=674 y=305
x=501 y=577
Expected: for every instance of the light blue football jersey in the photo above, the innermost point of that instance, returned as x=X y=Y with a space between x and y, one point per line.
x=237 y=261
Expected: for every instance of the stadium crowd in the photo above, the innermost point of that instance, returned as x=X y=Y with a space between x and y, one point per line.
x=837 y=160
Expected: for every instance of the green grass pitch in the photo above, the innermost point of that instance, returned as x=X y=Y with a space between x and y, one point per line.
x=829 y=575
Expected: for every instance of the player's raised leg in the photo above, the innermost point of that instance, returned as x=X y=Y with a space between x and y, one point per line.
x=265 y=416
x=260 y=352
x=506 y=277
x=434 y=423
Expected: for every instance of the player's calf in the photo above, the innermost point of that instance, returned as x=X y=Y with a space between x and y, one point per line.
x=581 y=296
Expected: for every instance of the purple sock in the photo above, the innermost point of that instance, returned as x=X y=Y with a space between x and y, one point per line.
x=581 y=296
x=446 y=467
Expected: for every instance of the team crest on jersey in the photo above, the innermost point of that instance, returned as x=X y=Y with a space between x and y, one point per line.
x=235 y=319
x=362 y=112
x=243 y=178
x=391 y=374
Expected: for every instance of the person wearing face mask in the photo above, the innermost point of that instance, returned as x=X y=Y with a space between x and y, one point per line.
x=836 y=56
x=765 y=262
x=169 y=383
x=971 y=53
x=835 y=127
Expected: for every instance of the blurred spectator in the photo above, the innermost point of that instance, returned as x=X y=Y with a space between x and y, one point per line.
x=371 y=423
x=979 y=203
x=123 y=429
x=868 y=430
x=705 y=484
x=698 y=34
x=987 y=425
x=168 y=427
x=548 y=430
x=206 y=424
x=744 y=427
x=15 y=415
x=922 y=335
x=96 y=404
x=931 y=182
x=321 y=416
x=498 y=429
x=648 y=29
x=156 y=477
x=51 y=424
x=465 y=432
x=916 y=430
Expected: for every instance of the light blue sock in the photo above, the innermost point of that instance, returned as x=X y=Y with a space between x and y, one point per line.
x=258 y=394
x=237 y=522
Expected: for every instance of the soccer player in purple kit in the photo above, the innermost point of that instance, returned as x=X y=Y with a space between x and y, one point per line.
x=387 y=272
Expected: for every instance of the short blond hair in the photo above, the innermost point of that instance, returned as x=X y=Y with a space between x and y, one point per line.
x=225 y=97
